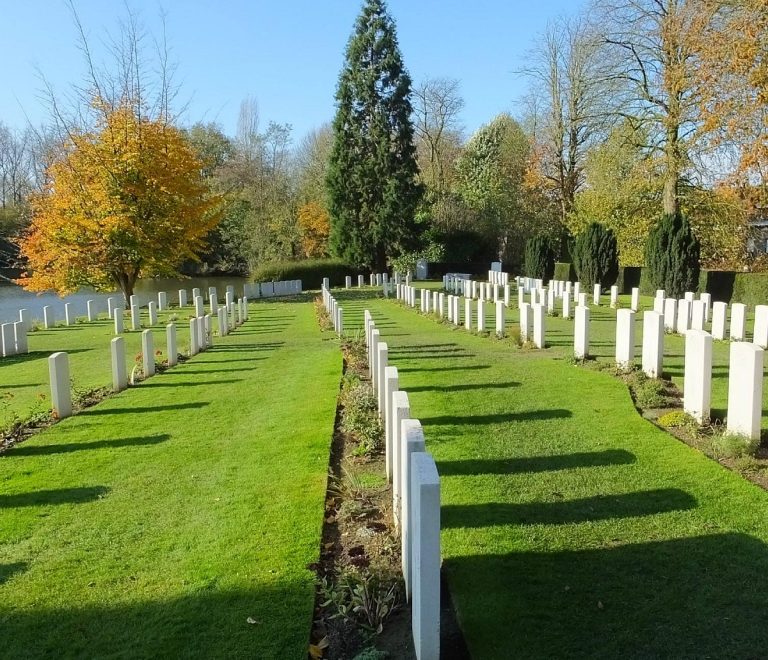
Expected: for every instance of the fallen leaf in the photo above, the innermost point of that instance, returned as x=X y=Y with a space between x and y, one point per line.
x=252 y=621
x=599 y=605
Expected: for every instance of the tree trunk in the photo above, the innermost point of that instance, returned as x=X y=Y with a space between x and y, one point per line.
x=126 y=283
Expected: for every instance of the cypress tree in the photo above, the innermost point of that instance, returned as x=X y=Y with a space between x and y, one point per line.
x=596 y=256
x=372 y=187
x=539 y=258
x=672 y=256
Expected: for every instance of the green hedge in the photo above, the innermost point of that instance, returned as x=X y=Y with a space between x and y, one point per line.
x=311 y=272
x=565 y=272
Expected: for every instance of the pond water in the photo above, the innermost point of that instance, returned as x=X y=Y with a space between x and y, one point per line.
x=13 y=298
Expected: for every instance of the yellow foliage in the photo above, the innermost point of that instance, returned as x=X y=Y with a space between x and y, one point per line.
x=124 y=201
x=315 y=226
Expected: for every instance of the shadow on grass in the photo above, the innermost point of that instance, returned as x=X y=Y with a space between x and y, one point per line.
x=700 y=597
x=535 y=463
x=426 y=355
x=36 y=355
x=208 y=622
x=191 y=383
x=599 y=507
x=144 y=409
x=463 y=387
x=54 y=496
x=7 y=571
x=498 y=418
x=473 y=367
x=45 y=450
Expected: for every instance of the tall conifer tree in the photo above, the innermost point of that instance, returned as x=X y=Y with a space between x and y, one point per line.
x=372 y=187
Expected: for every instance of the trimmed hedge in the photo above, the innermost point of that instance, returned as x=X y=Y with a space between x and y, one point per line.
x=539 y=258
x=311 y=272
x=564 y=271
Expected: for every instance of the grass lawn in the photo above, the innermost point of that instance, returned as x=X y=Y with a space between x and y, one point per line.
x=24 y=382
x=159 y=522
x=571 y=526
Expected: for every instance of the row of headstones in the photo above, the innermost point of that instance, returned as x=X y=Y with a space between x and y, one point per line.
x=335 y=311
x=745 y=370
x=415 y=495
x=448 y=305
x=272 y=289
x=745 y=384
x=200 y=338
x=498 y=277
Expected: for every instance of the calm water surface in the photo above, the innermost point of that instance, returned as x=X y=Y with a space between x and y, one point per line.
x=13 y=298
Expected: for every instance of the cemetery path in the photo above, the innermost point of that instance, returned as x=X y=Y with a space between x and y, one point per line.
x=571 y=527
x=177 y=519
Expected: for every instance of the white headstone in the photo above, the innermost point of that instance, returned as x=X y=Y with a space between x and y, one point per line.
x=7 y=340
x=538 y=326
x=670 y=314
x=581 y=332
x=500 y=320
x=148 y=353
x=481 y=316
x=760 y=330
x=745 y=390
x=596 y=294
x=135 y=318
x=382 y=361
x=391 y=386
x=738 y=321
x=193 y=345
x=526 y=322
x=683 y=316
x=61 y=390
x=152 y=307
x=614 y=296
x=697 y=315
x=413 y=442
x=170 y=344
x=635 y=302
x=697 y=379
x=401 y=410
x=119 y=371
x=118 y=316
x=719 y=320
x=625 y=338
x=425 y=556
x=90 y=306
x=182 y=297
x=653 y=344
x=20 y=336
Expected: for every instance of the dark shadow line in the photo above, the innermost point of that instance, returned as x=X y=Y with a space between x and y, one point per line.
x=144 y=409
x=54 y=496
x=535 y=463
x=461 y=387
x=27 y=449
x=498 y=418
x=600 y=507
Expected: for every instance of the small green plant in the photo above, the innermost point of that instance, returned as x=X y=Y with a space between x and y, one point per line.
x=323 y=318
x=82 y=397
x=676 y=419
x=360 y=417
x=731 y=445
x=648 y=392
x=354 y=350
x=365 y=599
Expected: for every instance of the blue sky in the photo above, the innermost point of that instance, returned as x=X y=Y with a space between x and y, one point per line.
x=287 y=54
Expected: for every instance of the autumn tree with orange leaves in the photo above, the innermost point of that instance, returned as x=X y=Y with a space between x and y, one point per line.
x=123 y=201
x=315 y=226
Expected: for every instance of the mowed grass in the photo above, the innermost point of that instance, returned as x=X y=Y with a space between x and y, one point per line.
x=571 y=526
x=177 y=519
x=24 y=383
